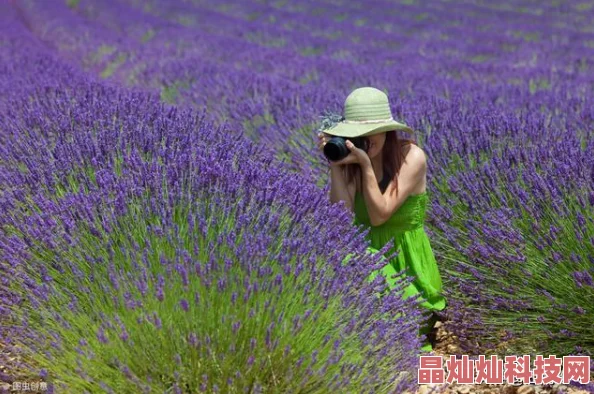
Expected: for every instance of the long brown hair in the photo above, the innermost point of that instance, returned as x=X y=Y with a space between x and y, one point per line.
x=392 y=156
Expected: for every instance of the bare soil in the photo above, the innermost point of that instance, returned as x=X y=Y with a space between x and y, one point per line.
x=446 y=344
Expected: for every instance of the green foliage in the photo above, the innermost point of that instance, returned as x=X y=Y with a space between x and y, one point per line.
x=72 y=3
x=113 y=66
x=140 y=352
x=150 y=33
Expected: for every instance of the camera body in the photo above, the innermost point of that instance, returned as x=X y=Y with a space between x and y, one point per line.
x=336 y=149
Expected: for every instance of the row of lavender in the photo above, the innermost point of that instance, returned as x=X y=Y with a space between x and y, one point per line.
x=503 y=109
x=143 y=250
x=501 y=99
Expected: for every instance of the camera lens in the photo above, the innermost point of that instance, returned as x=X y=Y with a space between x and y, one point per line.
x=335 y=149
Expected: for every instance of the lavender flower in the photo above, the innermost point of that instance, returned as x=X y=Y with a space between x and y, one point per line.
x=118 y=188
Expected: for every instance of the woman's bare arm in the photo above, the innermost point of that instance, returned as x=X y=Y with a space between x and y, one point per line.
x=339 y=190
x=382 y=207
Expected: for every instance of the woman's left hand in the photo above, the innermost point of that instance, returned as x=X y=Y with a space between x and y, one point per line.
x=357 y=156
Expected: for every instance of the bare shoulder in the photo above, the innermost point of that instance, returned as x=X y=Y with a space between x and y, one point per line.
x=415 y=156
x=414 y=169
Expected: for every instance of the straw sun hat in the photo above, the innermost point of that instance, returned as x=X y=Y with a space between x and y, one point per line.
x=366 y=112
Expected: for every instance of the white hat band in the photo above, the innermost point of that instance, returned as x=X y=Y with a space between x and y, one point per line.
x=368 y=121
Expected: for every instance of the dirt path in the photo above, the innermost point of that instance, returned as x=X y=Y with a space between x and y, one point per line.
x=446 y=344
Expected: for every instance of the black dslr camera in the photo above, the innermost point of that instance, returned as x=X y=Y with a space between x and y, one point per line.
x=336 y=149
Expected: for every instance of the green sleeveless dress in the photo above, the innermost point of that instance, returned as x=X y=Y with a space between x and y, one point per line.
x=405 y=231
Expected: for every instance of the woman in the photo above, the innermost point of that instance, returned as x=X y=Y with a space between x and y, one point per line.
x=386 y=189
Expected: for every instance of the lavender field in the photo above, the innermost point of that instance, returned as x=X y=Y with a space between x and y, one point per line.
x=164 y=215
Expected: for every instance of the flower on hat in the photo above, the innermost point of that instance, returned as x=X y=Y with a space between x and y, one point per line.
x=329 y=119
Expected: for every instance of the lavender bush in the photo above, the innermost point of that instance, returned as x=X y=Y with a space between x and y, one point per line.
x=500 y=95
x=149 y=251
x=483 y=97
